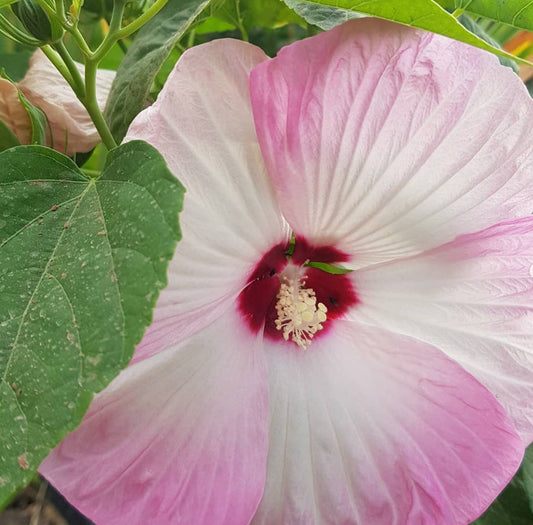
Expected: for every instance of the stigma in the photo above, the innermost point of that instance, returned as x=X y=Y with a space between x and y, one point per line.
x=299 y=315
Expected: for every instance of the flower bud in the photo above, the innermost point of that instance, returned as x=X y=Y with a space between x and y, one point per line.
x=37 y=22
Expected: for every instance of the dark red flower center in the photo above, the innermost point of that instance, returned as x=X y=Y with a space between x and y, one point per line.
x=261 y=302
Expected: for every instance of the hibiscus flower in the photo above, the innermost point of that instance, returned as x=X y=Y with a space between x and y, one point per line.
x=274 y=389
x=69 y=123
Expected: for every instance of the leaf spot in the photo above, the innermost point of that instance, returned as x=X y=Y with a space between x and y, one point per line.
x=23 y=462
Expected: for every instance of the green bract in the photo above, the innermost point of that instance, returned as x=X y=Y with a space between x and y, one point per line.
x=82 y=261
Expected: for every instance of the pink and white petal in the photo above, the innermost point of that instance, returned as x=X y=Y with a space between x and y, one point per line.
x=473 y=299
x=386 y=141
x=71 y=126
x=370 y=427
x=202 y=124
x=12 y=112
x=179 y=438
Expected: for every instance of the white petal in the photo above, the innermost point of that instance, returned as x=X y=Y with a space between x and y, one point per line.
x=202 y=124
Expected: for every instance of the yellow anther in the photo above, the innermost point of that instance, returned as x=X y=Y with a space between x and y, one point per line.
x=299 y=315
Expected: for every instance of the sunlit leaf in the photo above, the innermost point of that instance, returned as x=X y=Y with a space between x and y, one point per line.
x=518 y=13
x=422 y=14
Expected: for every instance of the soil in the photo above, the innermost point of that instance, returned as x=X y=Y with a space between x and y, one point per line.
x=41 y=504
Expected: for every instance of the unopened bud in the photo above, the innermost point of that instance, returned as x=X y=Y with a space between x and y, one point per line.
x=37 y=22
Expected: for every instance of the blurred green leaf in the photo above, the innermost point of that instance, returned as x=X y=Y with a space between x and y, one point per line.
x=422 y=14
x=144 y=58
x=15 y=63
x=213 y=25
x=517 y=13
x=82 y=261
x=247 y=14
x=7 y=137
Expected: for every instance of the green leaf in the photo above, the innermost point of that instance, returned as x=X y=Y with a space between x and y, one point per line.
x=517 y=13
x=82 y=261
x=422 y=14
x=151 y=46
x=7 y=137
x=514 y=506
x=321 y=16
x=329 y=268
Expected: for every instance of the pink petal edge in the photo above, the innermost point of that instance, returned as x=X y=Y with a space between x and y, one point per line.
x=473 y=299
x=179 y=438
x=374 y=428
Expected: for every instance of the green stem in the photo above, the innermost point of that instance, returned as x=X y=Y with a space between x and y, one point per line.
x=60 y=66
x=457 y=13
x=116 y=33
x=115 y=25
x=78 y=37
x=190 y=40
x=91 y=105
x=87 y=94
x=79 y=88
x=139 y=22
x=240 y=24
x=67 y=26
x=60 y=10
